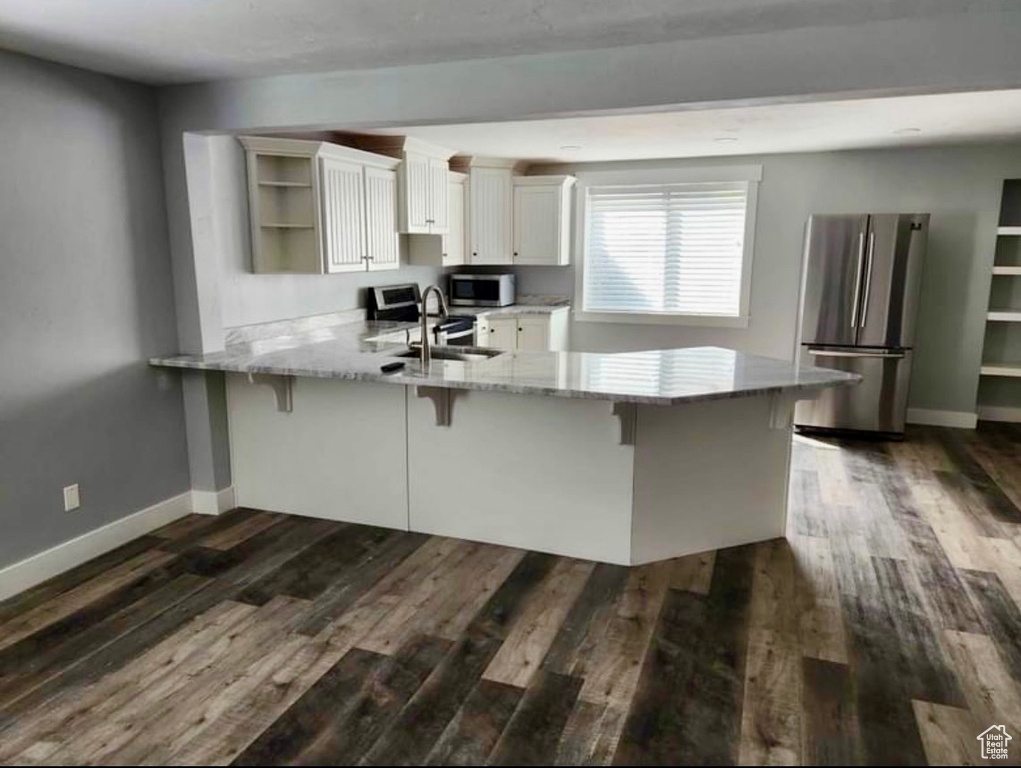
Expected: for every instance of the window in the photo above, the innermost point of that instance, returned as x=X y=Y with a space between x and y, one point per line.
x=675 y=251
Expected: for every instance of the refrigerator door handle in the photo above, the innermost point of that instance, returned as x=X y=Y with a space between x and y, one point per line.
x=851 y=353
x=857 y=281
x=868 y=277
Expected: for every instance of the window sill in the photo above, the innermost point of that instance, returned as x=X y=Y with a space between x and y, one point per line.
x=644 y=318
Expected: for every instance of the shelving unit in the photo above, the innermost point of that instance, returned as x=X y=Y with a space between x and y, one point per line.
x=999 y=394
x=282 y=204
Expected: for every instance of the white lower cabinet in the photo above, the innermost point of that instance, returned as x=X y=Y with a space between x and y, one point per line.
x=524 y=332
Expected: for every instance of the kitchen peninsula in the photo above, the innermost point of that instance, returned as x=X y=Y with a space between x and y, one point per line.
x=624 y=458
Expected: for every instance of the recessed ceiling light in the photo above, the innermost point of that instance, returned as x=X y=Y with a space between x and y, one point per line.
x=570 y=146
x=725 y=139
x=905 y=131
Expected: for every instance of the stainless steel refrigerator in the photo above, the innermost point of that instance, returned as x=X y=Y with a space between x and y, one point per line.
x=862 y=278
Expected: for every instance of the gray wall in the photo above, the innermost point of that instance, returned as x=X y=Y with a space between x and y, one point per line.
x=960 y=186
x=247 y=298
x=85 y=296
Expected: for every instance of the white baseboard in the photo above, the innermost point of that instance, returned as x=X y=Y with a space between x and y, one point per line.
x=959 y=419
x=38 y=568
x=999 y=413
x=213 y=502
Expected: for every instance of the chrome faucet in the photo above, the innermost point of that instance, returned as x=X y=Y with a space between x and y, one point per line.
x=424 y=351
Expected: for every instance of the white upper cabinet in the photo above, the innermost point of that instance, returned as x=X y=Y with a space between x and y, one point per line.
x=344 y=238
x=422 y=206
x=447 y=250
x=416 y=193
x=439 y=195
x=381 y=246
x=491 y=192
x=317 y=207
x=542 y=220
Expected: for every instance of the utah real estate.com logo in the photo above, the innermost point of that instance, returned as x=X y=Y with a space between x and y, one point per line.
x=994 y=742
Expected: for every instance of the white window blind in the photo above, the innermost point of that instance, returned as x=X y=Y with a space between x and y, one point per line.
x=672 y=249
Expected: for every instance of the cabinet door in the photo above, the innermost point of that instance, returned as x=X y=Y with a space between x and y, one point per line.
x=453 y=241
x=343 y=204
x=417 y=186
x=537 y=225
x=491 y=211
x=381 y=219
x=503 y=333
x=439 y=197
x=533 y=334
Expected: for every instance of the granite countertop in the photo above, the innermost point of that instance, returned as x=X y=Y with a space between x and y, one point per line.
x=657 y=377
x=524 y=305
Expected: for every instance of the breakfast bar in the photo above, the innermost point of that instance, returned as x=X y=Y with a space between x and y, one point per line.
x=623 y=458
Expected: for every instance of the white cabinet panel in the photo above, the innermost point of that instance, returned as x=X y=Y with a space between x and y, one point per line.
x=536 y=225
x=343 y=199
x=491 y=193
x=439 y=196
x=340 y=454
x=503 y=333
x=542 y=215
x=417 y=190
x=455 y=245
x=381 y=218
x=533 y=334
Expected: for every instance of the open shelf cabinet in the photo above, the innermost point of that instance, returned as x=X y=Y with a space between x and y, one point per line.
x=999 y=393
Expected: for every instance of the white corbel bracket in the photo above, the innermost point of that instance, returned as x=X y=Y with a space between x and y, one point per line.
x=281 y=386
x=443 y=400
x=781 y=410
x=627 y=415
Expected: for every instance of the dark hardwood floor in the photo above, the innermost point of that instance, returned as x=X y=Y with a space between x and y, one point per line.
x=884 y=630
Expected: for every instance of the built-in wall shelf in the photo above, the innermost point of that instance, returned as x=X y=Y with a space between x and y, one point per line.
x=1012 y=370
x=296 y=184
x=1004 y=316
x=283 y=225
x=999 y=395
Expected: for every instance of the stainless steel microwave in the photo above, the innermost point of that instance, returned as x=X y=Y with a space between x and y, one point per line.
x=481 y=290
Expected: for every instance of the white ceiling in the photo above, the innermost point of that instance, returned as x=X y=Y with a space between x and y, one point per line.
x=803 y=127
x=162 y=41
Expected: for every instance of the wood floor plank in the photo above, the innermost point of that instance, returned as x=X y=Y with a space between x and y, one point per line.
x=820 y=618
x=33 y=597
x=687 y=708
x=830 y=733
x=533 y=733
x=585 y=624
x=538 y=623
x=919 y=642
x=67 y=603
x=771 y=712
x=312 y=713
x=693 y=573
x=948 y=734
x=266 y=552
x=998 y=502
x=28 y=664
x=422 y=722
x=231 y=537
x=472 y=734
x=1000 y=616
x=990 y=690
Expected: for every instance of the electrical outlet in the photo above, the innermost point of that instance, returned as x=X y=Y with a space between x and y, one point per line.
x=71 y=498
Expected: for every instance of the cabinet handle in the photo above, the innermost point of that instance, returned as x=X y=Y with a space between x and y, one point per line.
x=515 y=253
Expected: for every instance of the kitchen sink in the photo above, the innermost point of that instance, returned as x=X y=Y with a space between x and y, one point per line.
x=476 y=354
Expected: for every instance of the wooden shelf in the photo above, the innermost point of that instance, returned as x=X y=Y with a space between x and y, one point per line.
x=1007 y=270
x=278 y=225
x=1005 y=315
x=1008 y=231
x=294 y=184
x=1012 y=370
